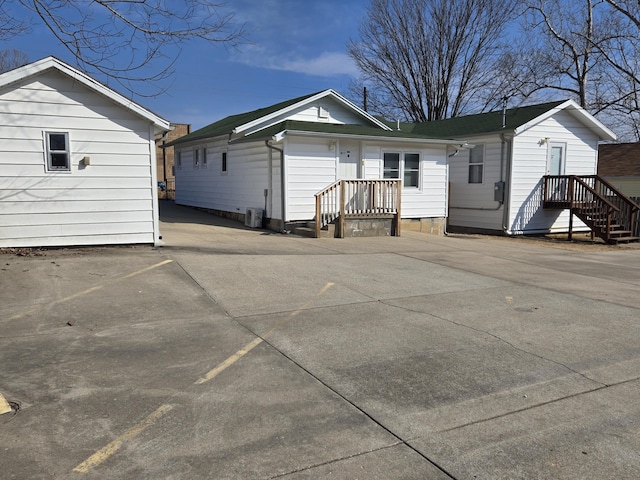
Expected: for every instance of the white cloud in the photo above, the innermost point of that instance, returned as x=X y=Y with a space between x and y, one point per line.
x=326 y=64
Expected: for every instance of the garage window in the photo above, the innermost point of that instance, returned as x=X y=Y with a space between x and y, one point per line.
x=57 y=151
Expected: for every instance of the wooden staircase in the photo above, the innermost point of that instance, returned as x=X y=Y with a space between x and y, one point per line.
x=610 y=214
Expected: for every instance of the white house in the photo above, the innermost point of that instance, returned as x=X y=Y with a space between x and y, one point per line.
x=497 y=186
x=77 y=162
x=276 y=159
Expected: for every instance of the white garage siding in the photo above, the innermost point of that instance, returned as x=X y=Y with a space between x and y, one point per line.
x=109 y=201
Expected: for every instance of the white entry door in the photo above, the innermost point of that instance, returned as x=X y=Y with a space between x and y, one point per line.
x=556 y=160
x=349 y=162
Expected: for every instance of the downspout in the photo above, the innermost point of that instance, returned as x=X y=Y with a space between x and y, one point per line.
x=282 y=198
x=507 y=183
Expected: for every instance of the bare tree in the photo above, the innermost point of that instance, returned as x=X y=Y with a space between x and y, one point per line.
x=12 y=58
x=129 y=41
x=433 y=59
x=586 y=50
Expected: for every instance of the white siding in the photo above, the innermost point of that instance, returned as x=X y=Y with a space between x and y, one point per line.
x=428 y=201
x=472 y=204
x=240 y=187
x=109 y=201
x=310 y=167
x=530 y=165
x=332 y=112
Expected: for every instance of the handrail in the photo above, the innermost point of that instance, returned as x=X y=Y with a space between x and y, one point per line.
x=593 y=199
x=358 y=198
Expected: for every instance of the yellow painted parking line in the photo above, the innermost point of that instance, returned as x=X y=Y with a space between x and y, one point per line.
x=88 y=290
x=104 y=453
x=250 y=346
x=229 y=361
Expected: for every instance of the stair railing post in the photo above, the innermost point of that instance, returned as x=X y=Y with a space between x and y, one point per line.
x=342 y=207
x=318 y=214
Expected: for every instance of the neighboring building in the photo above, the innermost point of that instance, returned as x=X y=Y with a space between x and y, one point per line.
x=619 y=163
x=165 y=157
x=276 y=159
x=78 y=164
x=498 y=185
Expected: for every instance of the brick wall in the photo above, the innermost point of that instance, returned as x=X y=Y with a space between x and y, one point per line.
x=180 y=130
x=619 y=159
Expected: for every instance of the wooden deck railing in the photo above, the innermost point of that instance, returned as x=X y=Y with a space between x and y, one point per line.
x=594 y=200
x=358 y=198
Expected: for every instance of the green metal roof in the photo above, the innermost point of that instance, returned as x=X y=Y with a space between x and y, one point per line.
x=478 y=124
x=227 y=124
x=449 y=129
x=329 y=128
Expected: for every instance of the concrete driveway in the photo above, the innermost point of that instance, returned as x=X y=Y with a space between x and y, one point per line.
x=231 y=353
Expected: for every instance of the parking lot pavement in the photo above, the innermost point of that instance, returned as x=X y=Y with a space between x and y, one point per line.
x=237 y=353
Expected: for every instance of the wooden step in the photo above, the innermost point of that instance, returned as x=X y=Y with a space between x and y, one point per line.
x=627 y=239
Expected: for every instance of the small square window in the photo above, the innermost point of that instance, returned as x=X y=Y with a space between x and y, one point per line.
x=58 y=152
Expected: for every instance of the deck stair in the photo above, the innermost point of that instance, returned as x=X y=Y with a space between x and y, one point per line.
x=611 y=215
x=367 y=200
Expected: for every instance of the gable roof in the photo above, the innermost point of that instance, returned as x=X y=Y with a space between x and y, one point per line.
x=516 y=120
x=243 y=122
x=51 y=63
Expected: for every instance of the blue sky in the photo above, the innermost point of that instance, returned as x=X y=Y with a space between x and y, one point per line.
x=293 y=47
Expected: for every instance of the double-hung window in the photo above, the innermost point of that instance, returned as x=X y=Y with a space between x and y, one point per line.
x=405 y=166
x=58 y=152
x=476 y=164
x=411 y=177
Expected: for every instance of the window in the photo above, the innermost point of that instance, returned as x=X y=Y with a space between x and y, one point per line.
x=391 y=167
x=196 y=158
x=476 y=164
x=411 y=177
x=224 y=161
x=179 y=159
x=58 y=156
x=408 y=169
x=204 y=157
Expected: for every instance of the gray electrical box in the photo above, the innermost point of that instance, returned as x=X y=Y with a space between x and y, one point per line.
x=498 y=191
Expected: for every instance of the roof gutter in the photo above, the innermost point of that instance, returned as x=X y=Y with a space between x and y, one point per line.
x=432 y=141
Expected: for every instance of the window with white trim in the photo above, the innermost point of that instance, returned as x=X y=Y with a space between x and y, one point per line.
x=391 y=165
x=408 y=168
x=204 y=157
x=476 y=164
x=58 y=152
x=411 y=174
x=196 y=158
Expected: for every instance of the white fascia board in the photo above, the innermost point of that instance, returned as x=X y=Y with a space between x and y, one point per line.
x=577 y=111
x=306 y=101
x=47 y=63
x=426 y=141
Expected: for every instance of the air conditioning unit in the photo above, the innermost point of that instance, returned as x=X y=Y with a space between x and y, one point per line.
x=253 y=218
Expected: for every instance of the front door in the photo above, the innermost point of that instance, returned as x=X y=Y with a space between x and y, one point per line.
x=349 y=162
x=556 y=160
